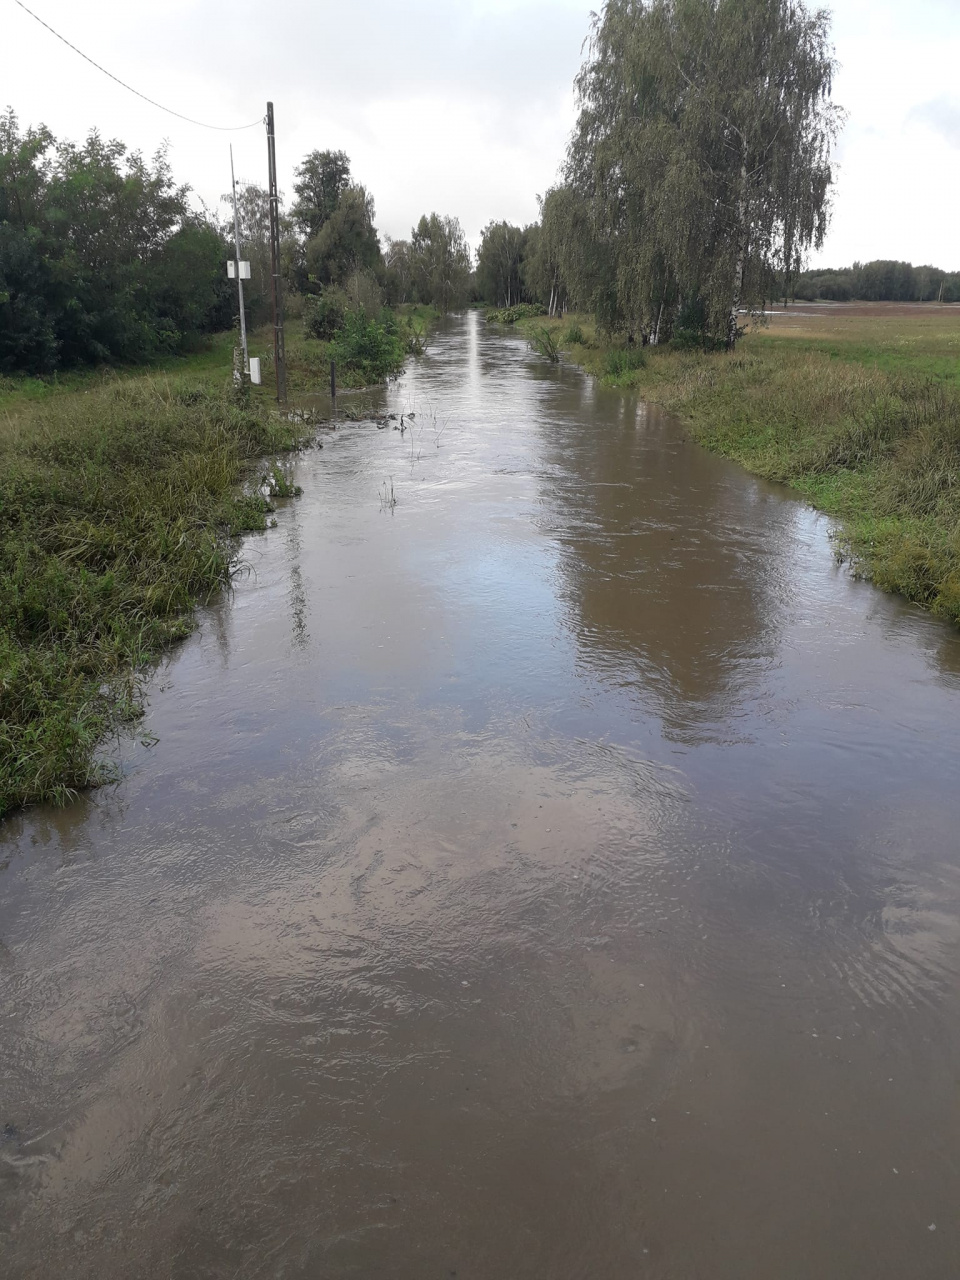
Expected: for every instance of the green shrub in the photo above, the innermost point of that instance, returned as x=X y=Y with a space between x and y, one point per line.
x=372 y=348
x=574 y=336
x=364 y=294
x=325 y=316
x=510 y=315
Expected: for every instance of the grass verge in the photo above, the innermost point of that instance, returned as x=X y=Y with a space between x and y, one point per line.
x=118 y=509
x=868 y=436
x=211 y=365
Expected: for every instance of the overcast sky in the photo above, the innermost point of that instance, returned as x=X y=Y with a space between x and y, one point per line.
x=464 y=106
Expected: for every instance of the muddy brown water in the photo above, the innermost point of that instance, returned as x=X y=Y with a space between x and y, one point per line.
x=556 y=875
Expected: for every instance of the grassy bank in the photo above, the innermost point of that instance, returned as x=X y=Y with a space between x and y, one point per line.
x=365 y=355
x=211 y=365
x=117 y=510
x=858 y=410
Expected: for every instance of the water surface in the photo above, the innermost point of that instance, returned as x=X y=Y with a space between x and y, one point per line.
x=553 y=876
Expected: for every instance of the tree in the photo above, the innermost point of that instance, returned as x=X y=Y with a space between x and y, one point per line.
x=100 y=256
x=399 y=277
x=320 y=182
x=347 y=241
x=442 y=262
x=500 y=264
x=703 y=149
x=190 y=289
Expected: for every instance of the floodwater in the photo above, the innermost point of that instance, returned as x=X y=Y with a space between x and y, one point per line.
x=555 y=876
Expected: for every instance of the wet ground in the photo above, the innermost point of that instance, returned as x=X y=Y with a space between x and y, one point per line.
x=554 y=876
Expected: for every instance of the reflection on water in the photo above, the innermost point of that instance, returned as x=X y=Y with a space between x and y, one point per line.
x=555 y=876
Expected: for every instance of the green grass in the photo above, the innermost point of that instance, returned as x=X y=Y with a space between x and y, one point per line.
x=118 y=510
x=211 y=365
x=859 y=412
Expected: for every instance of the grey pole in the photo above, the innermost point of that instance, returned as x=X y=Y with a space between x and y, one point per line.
x=236 y=245
x=279 y=355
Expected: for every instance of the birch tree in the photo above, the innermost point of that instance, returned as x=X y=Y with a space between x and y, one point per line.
x=703 y=149
x=441 y=262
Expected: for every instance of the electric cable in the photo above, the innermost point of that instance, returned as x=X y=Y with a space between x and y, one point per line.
x=221 y=128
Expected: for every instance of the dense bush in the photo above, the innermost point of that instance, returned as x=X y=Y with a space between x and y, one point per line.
x=324 y=316
x=510 y=315
x=101 y=258
x=374 y=349
x=621 y=360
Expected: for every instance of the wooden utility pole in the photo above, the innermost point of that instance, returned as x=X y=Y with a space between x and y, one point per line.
x=279 y=355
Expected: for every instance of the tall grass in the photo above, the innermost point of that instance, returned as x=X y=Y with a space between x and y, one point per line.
x=117 y=509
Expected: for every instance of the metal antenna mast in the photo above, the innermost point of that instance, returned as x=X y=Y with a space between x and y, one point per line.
x=279 y=355
x=236 y=245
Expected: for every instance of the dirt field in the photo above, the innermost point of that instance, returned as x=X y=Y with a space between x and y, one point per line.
x=875 y=310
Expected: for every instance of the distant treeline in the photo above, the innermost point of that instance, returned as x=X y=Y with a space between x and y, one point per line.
x=879 y=281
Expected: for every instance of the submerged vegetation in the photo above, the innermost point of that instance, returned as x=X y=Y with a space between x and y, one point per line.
x=117 y=510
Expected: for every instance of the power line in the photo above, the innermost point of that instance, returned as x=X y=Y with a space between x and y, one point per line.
x=221 y=128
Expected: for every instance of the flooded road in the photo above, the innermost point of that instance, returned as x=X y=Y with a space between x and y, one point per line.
x=555 y=876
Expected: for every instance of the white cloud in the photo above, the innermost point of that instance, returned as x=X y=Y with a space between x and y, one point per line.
x=943 y=116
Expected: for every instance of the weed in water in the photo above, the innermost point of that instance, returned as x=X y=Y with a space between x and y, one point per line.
x=276 y=485
x=543 y=342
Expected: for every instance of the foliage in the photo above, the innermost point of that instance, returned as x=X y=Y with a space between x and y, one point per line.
x=400 y=273
x=500 y=264
x=372 y=349
x=441 y=262
x=364 y=293
x=347 y=242
x=575 y=336
x=319 y=183
x=100 y=256
x=882 y=281
x=116 y=510
x=543 y=341
x=510 y=315
x=624 y=360
x=325 y=315
x=701 y=158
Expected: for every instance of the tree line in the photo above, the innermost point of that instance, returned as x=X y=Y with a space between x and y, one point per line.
x=879 y=281
x=696 y=180
x=103 y=259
